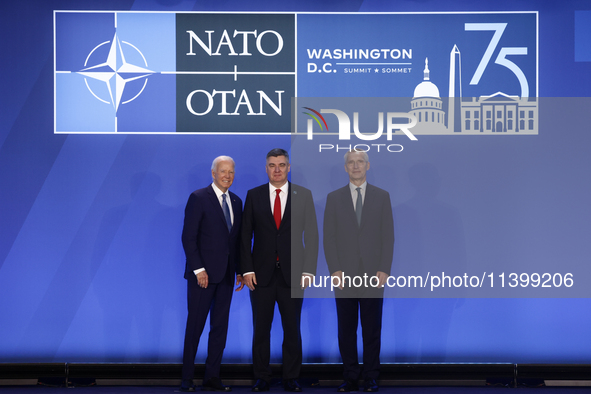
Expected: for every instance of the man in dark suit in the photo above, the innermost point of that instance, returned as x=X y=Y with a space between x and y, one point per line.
x=359 y=243
x=282 y=258
x=210 y=239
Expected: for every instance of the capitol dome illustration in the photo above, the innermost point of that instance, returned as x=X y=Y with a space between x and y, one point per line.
x=426 y=106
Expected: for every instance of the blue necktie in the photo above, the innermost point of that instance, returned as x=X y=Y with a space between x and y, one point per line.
x=226 y=212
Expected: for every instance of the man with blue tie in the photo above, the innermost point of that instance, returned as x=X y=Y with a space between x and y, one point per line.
x=213 y=216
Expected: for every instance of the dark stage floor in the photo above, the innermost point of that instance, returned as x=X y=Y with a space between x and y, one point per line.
x=279 y=389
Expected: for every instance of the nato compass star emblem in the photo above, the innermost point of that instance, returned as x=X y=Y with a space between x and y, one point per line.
x=115 y=72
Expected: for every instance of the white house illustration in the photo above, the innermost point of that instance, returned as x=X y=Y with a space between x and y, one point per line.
x=499 y=113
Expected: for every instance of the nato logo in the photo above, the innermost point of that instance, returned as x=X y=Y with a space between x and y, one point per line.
x=156 y=72
x=112 y=72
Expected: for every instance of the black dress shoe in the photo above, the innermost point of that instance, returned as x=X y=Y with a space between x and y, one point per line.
x=260 y=385
x=292 y=385
x=348 y=386
x=187 y=386
x=370 y=386
x=215 y=384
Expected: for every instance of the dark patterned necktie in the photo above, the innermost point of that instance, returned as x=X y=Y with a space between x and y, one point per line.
x=358 y=206
x=226 y=212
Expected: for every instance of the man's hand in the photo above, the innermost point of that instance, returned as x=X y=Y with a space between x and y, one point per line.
x=339 y=275
x=306 y=280
x=383 y=277
x=250 y=280
x=203 y=279
x=239 y=282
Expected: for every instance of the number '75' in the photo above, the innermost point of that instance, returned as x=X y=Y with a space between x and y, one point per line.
x=498 y=28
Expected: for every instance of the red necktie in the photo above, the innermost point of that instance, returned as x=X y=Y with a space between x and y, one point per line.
x=277 y=209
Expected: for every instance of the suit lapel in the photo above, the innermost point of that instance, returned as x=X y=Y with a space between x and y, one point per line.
x=236 y=210
x=349 y=210
x=235 y=206
x=286 y=219
x=367 y=203
x=265 y=199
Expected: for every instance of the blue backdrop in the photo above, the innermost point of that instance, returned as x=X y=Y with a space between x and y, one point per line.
x=91 y=262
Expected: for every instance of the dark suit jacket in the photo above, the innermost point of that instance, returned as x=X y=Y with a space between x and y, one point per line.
x=206 y=239
x=346 y=244
x=295 y=242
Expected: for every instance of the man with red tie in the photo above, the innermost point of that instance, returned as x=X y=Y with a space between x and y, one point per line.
x=283 y=244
